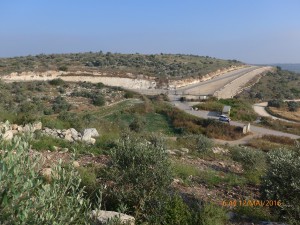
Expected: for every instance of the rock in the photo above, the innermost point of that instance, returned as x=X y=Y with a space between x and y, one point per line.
x=5 y=126
x=88 y=135
x=27 y=128
x=55 y=148
x=20 y=128
x=37 y=126
x=102 y=217
x=76 y=164
x=171 y=152
x=14 y=126
x=219 y=150
x=68 y=137
x=46 y=173
x=184 y=150
x=15 y=132
x=91 y=131
x=75 y=134
x=8 y=135
x=222 y=164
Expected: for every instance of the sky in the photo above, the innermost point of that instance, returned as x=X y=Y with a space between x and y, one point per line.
x=256 y=31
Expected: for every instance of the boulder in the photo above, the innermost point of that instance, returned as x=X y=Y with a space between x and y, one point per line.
x=74 y=133
x=5 y=126
x=102 y=217
x=8 y=135
x=14 y=126
x=91 y=131
x=68 y=137
x=28 y=128
x=88 y=135
x=37 y=126
x=20 y=128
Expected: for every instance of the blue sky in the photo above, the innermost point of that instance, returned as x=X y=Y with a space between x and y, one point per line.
x=256 y=31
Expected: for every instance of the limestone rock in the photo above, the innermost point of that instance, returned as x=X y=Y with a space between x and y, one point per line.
x=8 y=135
x=14 y=126
x=76 y=164
x=102 y=217
x=74 y=134
x=184 y=150
x=88 y=135
x=37 y=126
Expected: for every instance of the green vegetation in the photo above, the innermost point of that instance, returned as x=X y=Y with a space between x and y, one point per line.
x=28 y=198
x=253 y=162
x=282 y=182
x=269 y=142
x=279 y=84
x=141 y=175
x=163 y=65
x=240 y=109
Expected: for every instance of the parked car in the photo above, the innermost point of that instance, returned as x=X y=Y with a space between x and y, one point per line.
x=224 y=118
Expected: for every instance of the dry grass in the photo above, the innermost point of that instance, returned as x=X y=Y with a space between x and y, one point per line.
x=285 y=113
x=268 y=142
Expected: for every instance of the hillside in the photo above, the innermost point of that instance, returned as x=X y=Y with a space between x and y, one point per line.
x=173 y=66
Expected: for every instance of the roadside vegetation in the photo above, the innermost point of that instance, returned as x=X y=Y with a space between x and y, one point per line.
x=241 y=110
x=280 y=84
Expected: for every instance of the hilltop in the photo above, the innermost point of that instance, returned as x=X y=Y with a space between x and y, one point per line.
x=173 y=66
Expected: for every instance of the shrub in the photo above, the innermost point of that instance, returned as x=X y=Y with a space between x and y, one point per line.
x=138 y=124
x=98 y=100
x=129 y=94
x=56 y=82
x=282 y=182
x=253 y=162
x=141 y=175
x=275 y=103
x=293 y=106
x=27 y=198
x=211 y=214
x=60 y=104
x=63 y=68
x=177 y=212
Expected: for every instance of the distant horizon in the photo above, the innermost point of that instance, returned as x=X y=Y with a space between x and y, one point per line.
x=254 y=32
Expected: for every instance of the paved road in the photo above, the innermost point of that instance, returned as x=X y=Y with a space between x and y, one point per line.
x=258 y=131
x=259 y=108
x=209 y=87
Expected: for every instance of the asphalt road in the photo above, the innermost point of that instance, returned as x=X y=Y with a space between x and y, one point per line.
x=209 y=87
x=258 y=131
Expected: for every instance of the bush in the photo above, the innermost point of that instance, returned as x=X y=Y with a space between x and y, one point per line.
x=63 y=68
x=253 y=162
x=128 y=94
x=275 y=103
x=211 y=214
x=293 y=106
x=60 y=104
x=138 y=124
x=141 y=175
x=27 y=198
x=56 y=82
x=98 y=100
x=177 y=212
x=282 y=182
